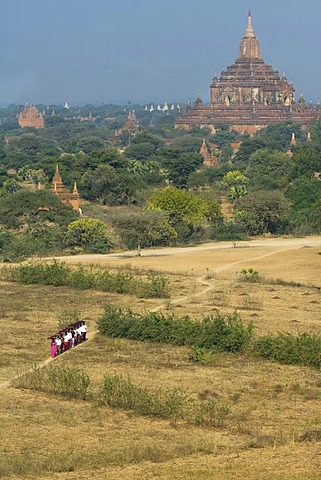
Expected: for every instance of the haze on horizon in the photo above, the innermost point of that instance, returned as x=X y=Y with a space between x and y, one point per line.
x=147 y=51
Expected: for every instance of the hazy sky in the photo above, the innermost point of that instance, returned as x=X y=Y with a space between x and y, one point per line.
x=147 y=50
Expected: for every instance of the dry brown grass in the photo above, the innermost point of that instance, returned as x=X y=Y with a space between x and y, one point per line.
x=272 y=432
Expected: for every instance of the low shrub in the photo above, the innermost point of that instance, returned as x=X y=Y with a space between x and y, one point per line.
x=120 y=392
x=285 y=348
x=175 y=404
x=202 y=356
x=222 y=333
x=84 y=278
x=64 y=381
x=227 y=230
x=250 y=275
x=210 y=413
x=210 y=335
x=54 y=273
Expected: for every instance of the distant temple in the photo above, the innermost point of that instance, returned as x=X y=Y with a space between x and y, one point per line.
x=57 y=187
x=131 y=126
x=248 y=96
x=209 y=159
x=90 y=118
x=31 y=117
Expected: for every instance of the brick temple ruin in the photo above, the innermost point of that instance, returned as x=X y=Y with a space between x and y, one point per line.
x=66 y=196
x=31 y=117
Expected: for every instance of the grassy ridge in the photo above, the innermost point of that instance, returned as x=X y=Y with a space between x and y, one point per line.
x=220 y=333
x=85 y=278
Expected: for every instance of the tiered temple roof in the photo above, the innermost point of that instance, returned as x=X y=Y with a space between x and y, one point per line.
x=57 y=187
x=31 y=117
x=209 y=158
x=249 y=95
x=131 y=126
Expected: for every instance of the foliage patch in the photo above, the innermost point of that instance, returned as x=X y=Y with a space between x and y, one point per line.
x=82 y=278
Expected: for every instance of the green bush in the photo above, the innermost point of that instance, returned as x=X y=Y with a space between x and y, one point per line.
x=156 y=286
x=120 y=392
x=210 y=335
x=202 y=356
x=84 y=278
x=54 y=273
x=226 y=230
x=219 y=333
x=90 y=234
x=210 y=413
x=64 y=381
x=250 y=275
x=305 y=349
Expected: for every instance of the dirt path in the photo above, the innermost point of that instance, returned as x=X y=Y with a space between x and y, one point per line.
x=285 y=244
x=46 y=362
x=262 y=242
x=203 y=280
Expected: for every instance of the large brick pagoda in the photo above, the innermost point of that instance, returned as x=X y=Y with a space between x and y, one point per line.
x=248 y=96
x=31 y=117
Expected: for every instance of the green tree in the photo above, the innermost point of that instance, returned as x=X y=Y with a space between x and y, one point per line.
x=24 y=208
x=33 y=175
x=268 y=169
x=235 y=185
x=305 y=197
x=306 y=162
x=263 y=211
x=278 y=135
x=98 y=184
x=184 y=206
x=90 y=234
x=247 y=147
x=140 y=151
x=180 y=168
x=9 y=187
x=146 y=137
x=147 y=229
x=225 y=137
x=104 y=156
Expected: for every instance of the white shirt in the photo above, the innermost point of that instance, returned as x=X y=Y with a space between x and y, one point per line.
x=58 y=342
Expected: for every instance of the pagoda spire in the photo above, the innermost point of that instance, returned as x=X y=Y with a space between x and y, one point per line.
x=293 y=139
x=75 y=190
x=57 y=177
x=249 y=29
x=249 y=46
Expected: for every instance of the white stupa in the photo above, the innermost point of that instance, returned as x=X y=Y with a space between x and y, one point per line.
x=152 y=108
x=165 y=107
x=66 y=106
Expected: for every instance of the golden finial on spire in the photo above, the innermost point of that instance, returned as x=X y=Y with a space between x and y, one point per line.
x=249 y=30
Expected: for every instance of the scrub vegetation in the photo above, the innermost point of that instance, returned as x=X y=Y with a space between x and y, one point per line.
x=180 y=407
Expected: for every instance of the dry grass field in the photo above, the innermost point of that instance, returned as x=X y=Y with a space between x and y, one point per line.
x=273 y=430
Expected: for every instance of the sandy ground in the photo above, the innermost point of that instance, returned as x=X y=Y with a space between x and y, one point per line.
x=284 y=243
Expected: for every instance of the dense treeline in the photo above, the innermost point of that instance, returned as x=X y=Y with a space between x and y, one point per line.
x=270 y=186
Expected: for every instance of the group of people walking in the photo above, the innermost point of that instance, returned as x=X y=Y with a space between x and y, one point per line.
x=67 y=338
